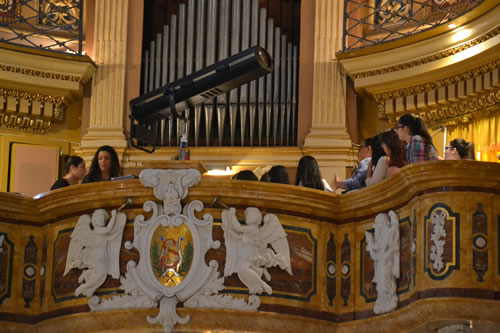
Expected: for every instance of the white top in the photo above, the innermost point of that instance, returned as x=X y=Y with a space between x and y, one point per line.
x=380 y=172
x=326 y=185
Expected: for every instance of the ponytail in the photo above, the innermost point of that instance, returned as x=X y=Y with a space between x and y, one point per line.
x=71 y=160
x=465 y=149
x=416 y=125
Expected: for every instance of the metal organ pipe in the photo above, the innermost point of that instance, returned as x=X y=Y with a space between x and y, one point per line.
x=288 y=91
x=245 y=44
x=210 y=57
x=235 y=48
x=205 y=31
x=294 y=95
x=223 y=53
x=276 y=88
x=261 y=83
x=283 y=87
x=254 y=38
x=171 y=77
x=200 y=41
x=269 y=79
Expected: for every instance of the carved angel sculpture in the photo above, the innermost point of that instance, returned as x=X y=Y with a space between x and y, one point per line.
x=384 y=250
x=95 y=245
x=247 y=253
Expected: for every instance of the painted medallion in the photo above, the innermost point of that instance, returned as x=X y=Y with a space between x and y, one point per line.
x=171 y=254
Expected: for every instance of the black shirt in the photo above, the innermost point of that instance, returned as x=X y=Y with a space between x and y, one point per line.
x=61 y=182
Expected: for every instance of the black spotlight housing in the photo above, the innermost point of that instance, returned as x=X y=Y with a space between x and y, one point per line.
x=200 y=86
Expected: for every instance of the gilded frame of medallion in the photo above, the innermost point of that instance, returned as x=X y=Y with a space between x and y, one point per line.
x=454 y=263
x=155 y=259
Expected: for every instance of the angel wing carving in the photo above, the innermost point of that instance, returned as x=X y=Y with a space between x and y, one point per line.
x=95 y=246
x=247 y=253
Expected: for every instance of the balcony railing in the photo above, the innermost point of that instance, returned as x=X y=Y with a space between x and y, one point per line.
x=372 y=22
x=43 y=24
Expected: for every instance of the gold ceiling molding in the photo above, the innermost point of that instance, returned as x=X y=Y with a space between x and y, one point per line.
x=31 y=112
x=379 y=98
x=48 y=75
x=434 y=57
x=457 y=112
x=57 y=100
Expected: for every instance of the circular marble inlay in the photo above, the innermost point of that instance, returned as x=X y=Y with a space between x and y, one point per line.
x=480 y=242
x=42 y=271
x=331 y=269
x=345 y=269
x=29 y=271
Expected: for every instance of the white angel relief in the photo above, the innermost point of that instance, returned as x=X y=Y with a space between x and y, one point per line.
x=1 y=242
x=95 y=245
x=247 y=253
x=384 y=250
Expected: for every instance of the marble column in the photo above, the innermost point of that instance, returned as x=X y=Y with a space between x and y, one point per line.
x=107 y=104
x=328 y=123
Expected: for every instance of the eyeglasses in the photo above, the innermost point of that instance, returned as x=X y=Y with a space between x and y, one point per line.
x=399 y=126
x=447 y=147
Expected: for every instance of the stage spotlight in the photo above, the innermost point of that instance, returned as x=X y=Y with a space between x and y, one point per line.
x=173 y=98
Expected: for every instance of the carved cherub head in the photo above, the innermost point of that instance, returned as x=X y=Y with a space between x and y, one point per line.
x=252 y=216
x=99 y=218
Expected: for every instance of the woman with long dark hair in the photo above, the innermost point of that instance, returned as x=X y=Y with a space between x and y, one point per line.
x=414 y=133
x=395 y=158
x=105 y=165
x=459 y=149
x=75 y=171
x=278 y=174
x=308 y=175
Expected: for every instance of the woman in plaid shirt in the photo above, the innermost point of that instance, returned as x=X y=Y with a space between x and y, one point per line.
x=419 y=146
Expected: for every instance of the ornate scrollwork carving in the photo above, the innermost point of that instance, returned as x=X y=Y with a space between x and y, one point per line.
x=454 y=113
x=42 y=74
x=172 y=245
x=437 y=83
x=32 y=122
x=60 y=13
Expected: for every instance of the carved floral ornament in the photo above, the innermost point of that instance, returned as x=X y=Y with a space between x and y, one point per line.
x=172 y=245
x=48 y=75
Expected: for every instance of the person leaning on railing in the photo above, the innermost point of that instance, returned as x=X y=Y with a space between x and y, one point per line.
x=75 y=171
x=389 y=165
x=414 y=133
x=357 y=180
